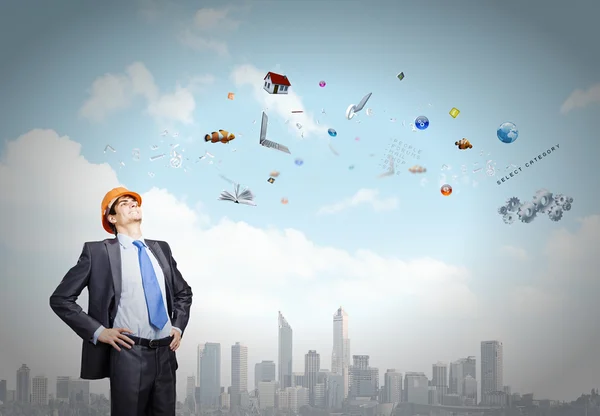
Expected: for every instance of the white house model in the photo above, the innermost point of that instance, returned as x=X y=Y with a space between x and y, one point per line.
x=276 y=84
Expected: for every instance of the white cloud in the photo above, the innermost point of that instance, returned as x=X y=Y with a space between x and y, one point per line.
x=515 y=252
x=581 y=99
x=241 y=274
x=207 y=22
x=362 y=197
x=113 y=92
x=282 y=105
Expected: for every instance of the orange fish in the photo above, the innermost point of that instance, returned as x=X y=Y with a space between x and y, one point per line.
x=220 y=136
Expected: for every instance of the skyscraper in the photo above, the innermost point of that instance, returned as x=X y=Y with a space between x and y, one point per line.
x=23 y=384
x=264 y=371
x=79 y=391
x=199 y=353
x=363 y=379
x=440 y=379
x=210 y=374
x=239 y=373
x=416 y=388
x=3 y=391
x=312 y=364
x=39 y=390
x=459 y=370
x=340 y=357
x=392 y=386
x=285 y=337
x=491 y=367
x=62 y=388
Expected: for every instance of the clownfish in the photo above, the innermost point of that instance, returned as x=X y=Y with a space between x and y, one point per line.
x=220 y=136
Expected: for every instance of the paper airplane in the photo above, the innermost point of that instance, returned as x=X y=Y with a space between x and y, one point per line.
x=263 y=137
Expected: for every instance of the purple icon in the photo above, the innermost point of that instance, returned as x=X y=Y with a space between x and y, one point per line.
x=322 y=84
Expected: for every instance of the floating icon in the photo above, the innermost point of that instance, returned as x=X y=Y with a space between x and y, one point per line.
x=355 y=108
x=271 y=180
x=322 y=84
x=230 y=96
x=507 y=132
x=463 y=144
x=332 y=132
x=454 y=112
x=299 y=162
x=422 y=122
x=446 y=190
x=400 y=76
x=276 y=84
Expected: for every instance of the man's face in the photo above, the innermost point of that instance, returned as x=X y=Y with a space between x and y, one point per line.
x=126 y=211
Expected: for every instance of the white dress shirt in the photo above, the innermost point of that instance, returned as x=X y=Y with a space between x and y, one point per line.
x=132 y=311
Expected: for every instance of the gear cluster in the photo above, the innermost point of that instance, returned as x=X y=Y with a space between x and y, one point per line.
x=543 y=202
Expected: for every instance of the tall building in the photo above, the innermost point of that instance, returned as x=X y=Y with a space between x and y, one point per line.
x=335 y=391
x=264 y=371
x=363 y=380
x=3 y=391
x=190 y=393
x=298 y=379
x=23 y=384
x=285 y=339
x=392 y=391
x=491 y=367
x=439 y=380
x=39 y=390
x=416 y=388
x=239 y=373
x=459 y=370
x=199 y=353
x=266 y=394
x=340 y=357
x=210 y=374
x=62 y=388
x=312 y=364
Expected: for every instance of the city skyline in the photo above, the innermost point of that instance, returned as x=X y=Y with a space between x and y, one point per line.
x=446 y=378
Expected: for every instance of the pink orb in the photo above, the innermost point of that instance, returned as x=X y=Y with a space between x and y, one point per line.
x=322 y=84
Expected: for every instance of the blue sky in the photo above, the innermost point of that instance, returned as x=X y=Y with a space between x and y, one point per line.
x=513 y=62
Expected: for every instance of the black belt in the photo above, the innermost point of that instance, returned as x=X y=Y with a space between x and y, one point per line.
x=151 y=343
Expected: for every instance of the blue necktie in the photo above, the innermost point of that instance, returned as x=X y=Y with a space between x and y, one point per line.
x=154 y=300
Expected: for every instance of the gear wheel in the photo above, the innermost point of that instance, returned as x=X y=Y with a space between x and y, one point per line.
x=543 y=200
x=560 y=199
x=503 y=210
x=509 y=218
x=569 y=200
x=527 y=212
x=513 y=204
x=566 y=207
x=555 y=213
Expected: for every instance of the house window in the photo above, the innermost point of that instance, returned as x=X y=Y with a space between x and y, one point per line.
x=285 y=88
x=269 y=86
x=265 y=83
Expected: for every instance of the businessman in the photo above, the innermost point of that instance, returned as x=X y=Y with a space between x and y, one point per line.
x=139 y=307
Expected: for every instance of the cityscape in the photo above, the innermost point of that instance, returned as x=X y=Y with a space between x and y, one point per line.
x=351 y=387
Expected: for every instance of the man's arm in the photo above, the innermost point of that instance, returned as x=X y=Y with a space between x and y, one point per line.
x=182 y=295
x=64 y=299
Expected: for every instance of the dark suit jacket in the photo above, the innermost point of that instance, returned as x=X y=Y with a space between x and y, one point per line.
x=99 y=269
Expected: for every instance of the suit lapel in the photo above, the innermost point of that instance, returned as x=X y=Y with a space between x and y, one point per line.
x=164 y=264
x=114 y=258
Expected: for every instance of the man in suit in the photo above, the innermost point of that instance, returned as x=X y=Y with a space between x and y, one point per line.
x=139 y=307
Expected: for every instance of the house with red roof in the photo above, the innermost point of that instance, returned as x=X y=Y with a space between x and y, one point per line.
x=276 y=84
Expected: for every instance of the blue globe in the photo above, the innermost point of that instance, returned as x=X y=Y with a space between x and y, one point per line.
x=507 y=132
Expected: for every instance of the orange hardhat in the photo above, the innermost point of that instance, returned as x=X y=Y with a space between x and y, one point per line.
x=109 y=199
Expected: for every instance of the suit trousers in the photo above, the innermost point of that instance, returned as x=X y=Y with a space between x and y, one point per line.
x=142 y=381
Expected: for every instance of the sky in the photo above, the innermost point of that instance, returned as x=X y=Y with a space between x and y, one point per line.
x=424 y=277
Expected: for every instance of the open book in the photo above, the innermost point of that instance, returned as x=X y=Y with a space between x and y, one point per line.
x=245 y=197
